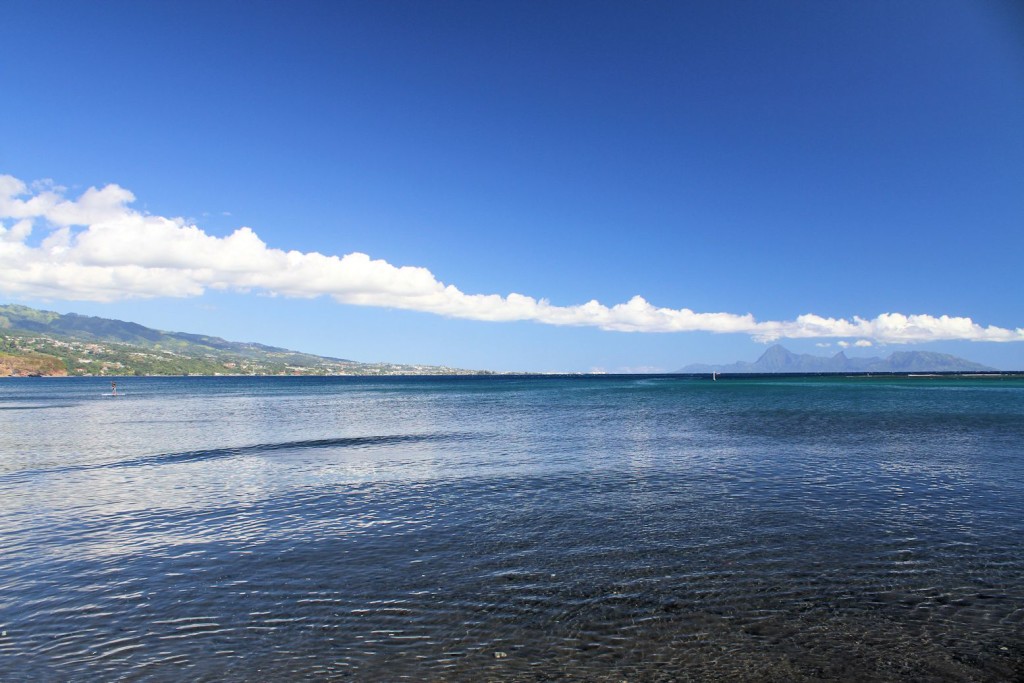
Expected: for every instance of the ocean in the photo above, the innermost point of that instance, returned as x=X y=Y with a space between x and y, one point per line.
x=640 y=528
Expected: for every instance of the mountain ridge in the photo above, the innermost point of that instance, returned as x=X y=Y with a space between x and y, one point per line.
x=779 y=359
x=91 y=345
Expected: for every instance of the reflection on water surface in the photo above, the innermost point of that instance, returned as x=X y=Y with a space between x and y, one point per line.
x=598 y=529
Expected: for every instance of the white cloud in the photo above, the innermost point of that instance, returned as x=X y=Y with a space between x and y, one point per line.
x=97 y=248
x=863 y=342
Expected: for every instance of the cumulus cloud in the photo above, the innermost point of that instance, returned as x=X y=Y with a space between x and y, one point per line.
x=98 y=248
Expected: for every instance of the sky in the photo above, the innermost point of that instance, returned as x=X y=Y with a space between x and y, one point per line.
x=523 y=186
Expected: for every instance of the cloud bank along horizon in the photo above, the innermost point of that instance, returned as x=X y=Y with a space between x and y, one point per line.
x=97 y=248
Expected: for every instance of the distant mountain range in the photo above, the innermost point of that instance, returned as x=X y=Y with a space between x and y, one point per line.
x=92 y=328
x=34 y=342
x=778 y=359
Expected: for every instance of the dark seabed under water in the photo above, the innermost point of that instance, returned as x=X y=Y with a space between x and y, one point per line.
x=512 y=529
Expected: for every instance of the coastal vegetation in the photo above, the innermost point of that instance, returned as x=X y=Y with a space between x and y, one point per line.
x=31 y=365
x=34 y=342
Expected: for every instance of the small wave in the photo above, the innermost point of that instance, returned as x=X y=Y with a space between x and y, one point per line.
x=236 y=451
x=215 y=453
x=45 y=407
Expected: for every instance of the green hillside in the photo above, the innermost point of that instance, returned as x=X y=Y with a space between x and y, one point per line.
x=89 y=345
x=31 y=365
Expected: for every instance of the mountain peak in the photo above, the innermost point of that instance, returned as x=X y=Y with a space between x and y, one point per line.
x=778 y=359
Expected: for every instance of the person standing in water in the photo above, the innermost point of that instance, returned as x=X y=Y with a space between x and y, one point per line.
x=113 y=388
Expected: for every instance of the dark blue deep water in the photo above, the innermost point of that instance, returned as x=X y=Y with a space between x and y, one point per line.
x=512 y=529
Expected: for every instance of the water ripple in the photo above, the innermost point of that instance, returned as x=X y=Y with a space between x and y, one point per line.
x=518 y=531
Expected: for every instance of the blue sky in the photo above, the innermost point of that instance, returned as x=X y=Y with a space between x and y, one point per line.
x=763 y=161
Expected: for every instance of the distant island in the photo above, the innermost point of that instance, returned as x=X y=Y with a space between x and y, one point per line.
x=44 y=343
x=779 y=359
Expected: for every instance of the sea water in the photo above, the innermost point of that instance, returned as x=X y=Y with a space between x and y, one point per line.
x=512 y=529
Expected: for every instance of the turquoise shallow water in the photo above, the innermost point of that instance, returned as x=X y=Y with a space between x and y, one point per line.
x=512 y=529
